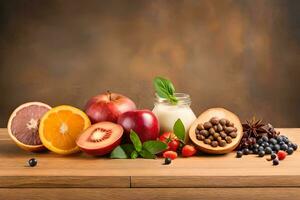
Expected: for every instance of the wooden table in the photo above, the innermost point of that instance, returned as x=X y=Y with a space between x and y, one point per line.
x=202 y=177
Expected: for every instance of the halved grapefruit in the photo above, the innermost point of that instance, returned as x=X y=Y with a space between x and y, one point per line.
x=23 y=125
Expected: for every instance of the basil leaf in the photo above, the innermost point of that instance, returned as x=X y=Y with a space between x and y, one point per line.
x=128 y=148
x=136 y=141
x=179 y=130
x=119 y=153
x=134 y=155
x=154 y=147
x=165 y=89
x=146 y=154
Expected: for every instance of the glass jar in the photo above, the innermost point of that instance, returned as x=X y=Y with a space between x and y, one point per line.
x=167 y=113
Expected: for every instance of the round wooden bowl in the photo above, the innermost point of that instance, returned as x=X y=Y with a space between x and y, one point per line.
x=219 y=113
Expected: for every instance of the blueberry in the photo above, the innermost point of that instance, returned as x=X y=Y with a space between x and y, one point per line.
x=281 y=143
x=246 y=151
x=255 y=146
x=273 y=156
x=271 y=146
x=265 y=138
x=290 y=150
x=239 y=154
x=273 y=141
x=265 y=144
x=261 y=153
x=32 y=162
x=284 y=147
x=276 y=147
x=279 y=139
x=259 y=141
x=289 y=144
x=275 y=161
x=295 y=146
x=261 y=148
x=285 y=140
x=255 y=151
x=168 y=161
x=268 y=150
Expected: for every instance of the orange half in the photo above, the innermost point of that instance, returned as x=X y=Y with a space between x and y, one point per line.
x=60 y=127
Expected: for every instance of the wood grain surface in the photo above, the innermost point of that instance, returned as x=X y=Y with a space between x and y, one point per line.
x=205 y=174
x=151 y=193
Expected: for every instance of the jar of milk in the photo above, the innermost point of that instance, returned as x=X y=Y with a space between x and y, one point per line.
x=167 y=112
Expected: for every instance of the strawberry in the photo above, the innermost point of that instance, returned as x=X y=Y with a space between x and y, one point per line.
x=281 y=155
x=170 y=154
x=171 y=140
x=188 y=150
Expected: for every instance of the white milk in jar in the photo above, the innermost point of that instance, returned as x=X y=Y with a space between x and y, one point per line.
x=167 y=113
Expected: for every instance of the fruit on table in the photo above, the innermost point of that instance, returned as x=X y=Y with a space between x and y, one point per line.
x=23 y=125
x=60 y=127
x=239 y=154
x=168 y=161
x=281 y=155
x=108 y=107
x=170 y=154
x=100 y=138
x=276 y=162
x=171 y=140
x=188 y=151
x=214 y=143
x=143 y=122
x=32 y=162
x=270 y=142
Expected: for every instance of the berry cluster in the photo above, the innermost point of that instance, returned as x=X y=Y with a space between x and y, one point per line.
x=265 y=145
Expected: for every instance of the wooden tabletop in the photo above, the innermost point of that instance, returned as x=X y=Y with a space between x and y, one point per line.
x=203 y=171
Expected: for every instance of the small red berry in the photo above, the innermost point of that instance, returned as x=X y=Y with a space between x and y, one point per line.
x=170 y=154
x=188 y=150
x=281 y=155
x=171 y=140
x=173 y=145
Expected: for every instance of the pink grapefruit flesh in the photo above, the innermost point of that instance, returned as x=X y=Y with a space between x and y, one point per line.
x=23 y=125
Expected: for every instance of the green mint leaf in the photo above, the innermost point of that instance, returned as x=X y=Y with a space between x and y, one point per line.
x=118 y=153
x=146 y=154
x=136 y=141
x=134 y=155
x=128 y=148
x=154 y=146
x=179 y=130
x=173 y=99
x=165 y=89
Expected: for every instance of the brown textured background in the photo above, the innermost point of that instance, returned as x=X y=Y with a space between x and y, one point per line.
x=243 y=55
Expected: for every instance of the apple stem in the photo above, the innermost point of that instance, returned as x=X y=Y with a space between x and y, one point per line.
x=109 y=94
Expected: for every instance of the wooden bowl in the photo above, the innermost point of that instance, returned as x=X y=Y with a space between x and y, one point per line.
x=219 y=113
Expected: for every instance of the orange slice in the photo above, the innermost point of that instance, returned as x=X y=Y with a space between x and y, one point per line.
x=60 y=127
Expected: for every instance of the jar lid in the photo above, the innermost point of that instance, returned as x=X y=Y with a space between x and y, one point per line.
x=183 y=99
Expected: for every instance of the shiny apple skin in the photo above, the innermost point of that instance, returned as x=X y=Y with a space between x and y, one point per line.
x=108 y=107
x=143 y=122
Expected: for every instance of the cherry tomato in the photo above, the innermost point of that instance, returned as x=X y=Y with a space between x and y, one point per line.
x=173 y=145
x=170 y=154
x=188 y=150
x=171 y=140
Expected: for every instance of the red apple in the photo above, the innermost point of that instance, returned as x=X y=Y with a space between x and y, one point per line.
x=108 y=107
x=143 y=122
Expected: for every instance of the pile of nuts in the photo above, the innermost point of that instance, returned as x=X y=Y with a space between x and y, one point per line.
x=216 y=132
